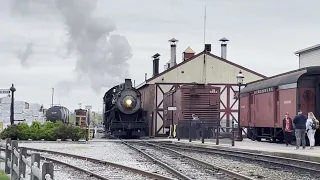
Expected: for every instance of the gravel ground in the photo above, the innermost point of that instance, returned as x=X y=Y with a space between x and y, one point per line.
x=109 y=151
x=256 y=170
x=102 y=170
x=183 y=165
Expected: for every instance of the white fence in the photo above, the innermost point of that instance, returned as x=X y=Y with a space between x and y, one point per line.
x=16 y=162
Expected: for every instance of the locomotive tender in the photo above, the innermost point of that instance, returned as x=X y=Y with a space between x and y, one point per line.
x=123 y=115
x=58 y=113
x=264 y=102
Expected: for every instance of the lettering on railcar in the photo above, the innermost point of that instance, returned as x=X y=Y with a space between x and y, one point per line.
x=265 y=90
x=213 y=91
x=286 y=102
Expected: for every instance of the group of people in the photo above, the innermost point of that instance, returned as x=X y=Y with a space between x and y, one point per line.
x=301 y=125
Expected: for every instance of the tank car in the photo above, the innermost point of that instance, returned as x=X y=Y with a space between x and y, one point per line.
x=58 y=113
x=123 y=115
x=264 y=102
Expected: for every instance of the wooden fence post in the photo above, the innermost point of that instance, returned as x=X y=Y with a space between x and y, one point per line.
x=47 y=169
x=22 y=165
x=14 y=160
x=8 y=156
x=35 y=160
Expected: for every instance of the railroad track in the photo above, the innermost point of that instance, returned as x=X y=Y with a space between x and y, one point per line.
x=183 y=166
x=99 y=169
x=308 y=168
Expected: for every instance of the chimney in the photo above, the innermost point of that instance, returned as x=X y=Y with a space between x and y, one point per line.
x=224 y=47
x=155 y=64
x=173 y=44
x=145 y=76
x=207 y=47
x=188 y=53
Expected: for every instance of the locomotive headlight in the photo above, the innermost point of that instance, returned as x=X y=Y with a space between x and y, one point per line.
x=129 y=102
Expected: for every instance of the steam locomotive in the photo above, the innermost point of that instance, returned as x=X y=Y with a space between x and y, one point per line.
x=123 y=115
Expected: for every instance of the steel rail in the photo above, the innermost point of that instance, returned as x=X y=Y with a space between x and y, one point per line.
x=224 y=170
x=92 y=174
x=175 y=172
x=286 y=162
x=134 y=170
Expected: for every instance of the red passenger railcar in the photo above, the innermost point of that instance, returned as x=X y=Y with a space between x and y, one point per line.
x=264 y=102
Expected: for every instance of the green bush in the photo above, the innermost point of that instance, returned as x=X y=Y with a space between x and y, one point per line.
x=48 y=131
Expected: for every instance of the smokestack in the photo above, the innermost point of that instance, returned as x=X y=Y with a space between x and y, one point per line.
x=173 y=44
x=155 y=64
x=224 y=47
x=127 y=83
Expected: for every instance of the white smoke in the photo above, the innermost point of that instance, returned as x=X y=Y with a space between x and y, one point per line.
x=101 y=57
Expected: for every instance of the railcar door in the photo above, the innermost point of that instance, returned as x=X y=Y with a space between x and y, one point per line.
x=252 y=113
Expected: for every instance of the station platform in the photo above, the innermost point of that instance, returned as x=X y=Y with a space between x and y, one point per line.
x=267 y=148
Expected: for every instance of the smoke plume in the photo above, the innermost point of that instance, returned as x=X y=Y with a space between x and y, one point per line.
x=101 y=57
x=24 y=55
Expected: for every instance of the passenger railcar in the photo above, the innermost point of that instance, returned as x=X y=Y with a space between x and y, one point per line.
x=123 y=115
x=264 y=102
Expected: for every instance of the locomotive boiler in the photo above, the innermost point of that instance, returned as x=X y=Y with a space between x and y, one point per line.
x=58 y=113
x=123 y=115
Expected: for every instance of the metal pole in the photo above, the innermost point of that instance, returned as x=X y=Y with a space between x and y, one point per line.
x=12 y=89
x=172 y=116
x=52 y=97
x=239 y=137
x=232 y=135
x=202 y=132
x=190 y=131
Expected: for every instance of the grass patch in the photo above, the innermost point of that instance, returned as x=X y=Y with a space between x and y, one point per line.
x=3 y=176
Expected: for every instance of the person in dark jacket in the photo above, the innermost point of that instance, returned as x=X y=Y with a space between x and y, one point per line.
x=300 y=129
x=287 y=128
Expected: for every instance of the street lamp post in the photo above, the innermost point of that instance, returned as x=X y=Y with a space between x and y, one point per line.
x=12 y=89
x=240 y=78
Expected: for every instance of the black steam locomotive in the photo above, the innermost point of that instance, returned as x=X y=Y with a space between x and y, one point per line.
x=122 y=112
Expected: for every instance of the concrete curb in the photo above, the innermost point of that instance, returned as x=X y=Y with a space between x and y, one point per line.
x=280 y=154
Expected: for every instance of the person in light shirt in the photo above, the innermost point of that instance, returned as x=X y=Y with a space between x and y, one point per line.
x=311 y=128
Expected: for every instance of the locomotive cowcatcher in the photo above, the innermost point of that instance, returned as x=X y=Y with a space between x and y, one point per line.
x=123 y=115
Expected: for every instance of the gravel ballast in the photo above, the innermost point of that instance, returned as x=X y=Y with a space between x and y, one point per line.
x=256 y=170
x=97 y=168
x=108 y=151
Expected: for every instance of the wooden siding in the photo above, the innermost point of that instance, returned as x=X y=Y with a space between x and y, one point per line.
x=310 y=58
x=213 y=71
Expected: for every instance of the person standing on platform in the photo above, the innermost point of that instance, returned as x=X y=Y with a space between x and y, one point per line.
x=311 y=127
x=287 y=128
x=300 y=129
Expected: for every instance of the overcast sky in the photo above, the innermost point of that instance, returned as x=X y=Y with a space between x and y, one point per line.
x=263 y=35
